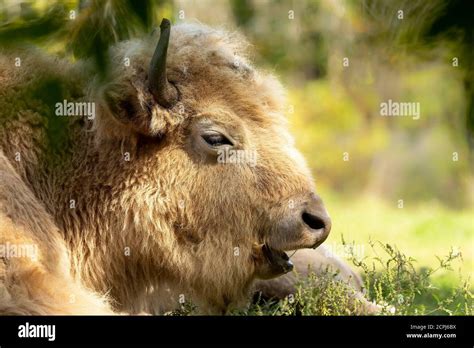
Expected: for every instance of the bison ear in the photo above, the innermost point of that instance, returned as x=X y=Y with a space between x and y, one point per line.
x=126 y=105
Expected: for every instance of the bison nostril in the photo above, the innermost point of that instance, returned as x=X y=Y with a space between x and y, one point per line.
x=313 y=221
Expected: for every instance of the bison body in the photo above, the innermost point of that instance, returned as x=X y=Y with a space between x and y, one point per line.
x=127 y=206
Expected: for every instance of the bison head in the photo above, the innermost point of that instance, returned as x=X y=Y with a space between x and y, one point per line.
x=215 y=185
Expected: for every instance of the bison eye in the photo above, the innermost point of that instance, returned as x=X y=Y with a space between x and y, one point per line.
x=216 y=139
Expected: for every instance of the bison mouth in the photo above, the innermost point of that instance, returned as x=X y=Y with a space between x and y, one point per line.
x=278 y=259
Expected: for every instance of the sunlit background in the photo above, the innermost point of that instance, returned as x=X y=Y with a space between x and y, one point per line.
x=398 y=180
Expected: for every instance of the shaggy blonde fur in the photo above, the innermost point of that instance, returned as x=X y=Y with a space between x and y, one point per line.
x=128 y=213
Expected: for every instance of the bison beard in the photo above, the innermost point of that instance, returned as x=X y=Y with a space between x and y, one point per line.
x=147 y=225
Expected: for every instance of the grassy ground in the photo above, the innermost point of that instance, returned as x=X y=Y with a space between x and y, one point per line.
x=422 y=231
x=415 y=260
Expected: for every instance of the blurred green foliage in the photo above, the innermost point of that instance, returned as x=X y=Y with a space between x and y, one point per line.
x=335 y=109
x=83 y=29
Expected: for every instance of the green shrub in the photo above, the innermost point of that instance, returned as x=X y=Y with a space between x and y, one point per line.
x=391 y=280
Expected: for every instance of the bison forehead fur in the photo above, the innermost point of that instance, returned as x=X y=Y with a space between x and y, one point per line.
x=134 y=198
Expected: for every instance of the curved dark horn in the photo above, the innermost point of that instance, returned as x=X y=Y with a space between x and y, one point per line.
x=163 y=91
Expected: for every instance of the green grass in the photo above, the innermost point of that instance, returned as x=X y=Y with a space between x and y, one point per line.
x=437 y=244
x=391 y=279
x=423 y=231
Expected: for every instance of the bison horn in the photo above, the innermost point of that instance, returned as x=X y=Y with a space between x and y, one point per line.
x=165 y=93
